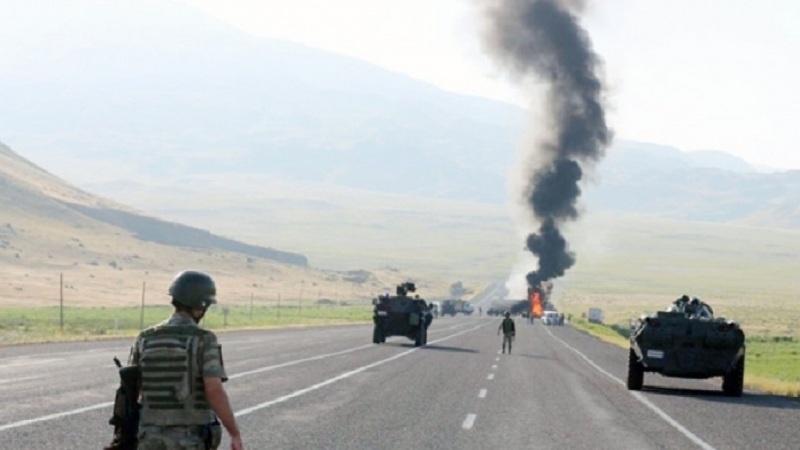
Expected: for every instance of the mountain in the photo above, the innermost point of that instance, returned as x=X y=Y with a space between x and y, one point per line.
x=132 y=102
x=663 y=181
x=27 y=188
x=128 y=99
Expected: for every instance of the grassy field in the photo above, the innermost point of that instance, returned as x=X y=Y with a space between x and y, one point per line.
x=38 y=325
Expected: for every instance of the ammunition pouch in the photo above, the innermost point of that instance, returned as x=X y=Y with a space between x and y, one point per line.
x=212 y=435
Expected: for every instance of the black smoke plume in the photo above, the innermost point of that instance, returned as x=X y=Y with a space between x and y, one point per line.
x=542 y=40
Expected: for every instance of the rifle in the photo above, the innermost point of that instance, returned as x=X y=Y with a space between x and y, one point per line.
x=126 y=409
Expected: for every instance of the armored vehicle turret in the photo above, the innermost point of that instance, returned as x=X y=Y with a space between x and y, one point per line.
x=687 y=341
x=401 y=315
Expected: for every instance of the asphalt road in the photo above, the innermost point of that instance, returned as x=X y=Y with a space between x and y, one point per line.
x=330 y=388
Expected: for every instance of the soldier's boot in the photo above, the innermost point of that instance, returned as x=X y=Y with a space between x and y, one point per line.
x=116 y=441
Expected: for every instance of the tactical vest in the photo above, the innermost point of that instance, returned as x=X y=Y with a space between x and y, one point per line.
x=508 y=326
x=172 y=381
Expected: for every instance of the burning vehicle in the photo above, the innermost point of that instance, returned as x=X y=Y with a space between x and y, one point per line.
x=401 y=315
x=687 y=341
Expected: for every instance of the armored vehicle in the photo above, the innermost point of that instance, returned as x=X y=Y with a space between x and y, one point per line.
x=401 y=315
x=687 y=341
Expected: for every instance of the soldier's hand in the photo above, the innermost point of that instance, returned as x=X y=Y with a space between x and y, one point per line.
x=236 y=443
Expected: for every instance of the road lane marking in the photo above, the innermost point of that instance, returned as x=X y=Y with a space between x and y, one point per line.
x=490 y=377
x=469 y=421
x=298 y=361
x=87 y=352
x=30 y=362
x=482 y=393
x=497 y=359
x=494 y=367
x=22 y=423
x=13 y=380
x=640 y=397
x=342 y=376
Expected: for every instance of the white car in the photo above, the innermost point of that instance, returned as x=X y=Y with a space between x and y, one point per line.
x=550 y=318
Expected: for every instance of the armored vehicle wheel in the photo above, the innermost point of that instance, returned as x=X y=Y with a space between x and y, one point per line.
x=733 y=381
x=635 y=372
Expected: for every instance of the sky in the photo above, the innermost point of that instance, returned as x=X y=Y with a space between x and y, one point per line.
x=693 y=74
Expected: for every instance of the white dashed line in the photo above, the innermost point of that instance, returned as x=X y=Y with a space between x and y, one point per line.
x=482 y=393
x=469 y=421
x=343 y=376
x=494 y=367
x=21 y=423
x=490 y=377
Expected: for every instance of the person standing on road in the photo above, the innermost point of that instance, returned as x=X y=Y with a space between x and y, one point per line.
x=183 y=400
x=507 y=327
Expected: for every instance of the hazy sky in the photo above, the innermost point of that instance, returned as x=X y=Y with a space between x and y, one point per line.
x=695 y=74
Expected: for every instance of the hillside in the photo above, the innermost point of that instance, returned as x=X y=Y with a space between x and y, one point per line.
x=106 y=252
x=203 y=109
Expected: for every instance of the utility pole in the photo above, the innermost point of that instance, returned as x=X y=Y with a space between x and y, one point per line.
x=61 y=298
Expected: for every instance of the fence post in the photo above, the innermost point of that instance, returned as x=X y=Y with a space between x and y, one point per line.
x=61 y=299
x=300 y=303
x=251 y=307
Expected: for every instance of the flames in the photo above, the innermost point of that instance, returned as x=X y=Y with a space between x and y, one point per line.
x=535 y=300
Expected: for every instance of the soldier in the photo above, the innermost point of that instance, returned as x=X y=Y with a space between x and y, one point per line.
x=507 y=326
x=182 y=374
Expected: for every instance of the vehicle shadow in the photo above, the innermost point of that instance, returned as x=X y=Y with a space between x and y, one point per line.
x=749 y=398
x=524 y=355
x=450 y=349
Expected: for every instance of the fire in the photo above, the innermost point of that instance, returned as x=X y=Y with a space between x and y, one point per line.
x=535 y=300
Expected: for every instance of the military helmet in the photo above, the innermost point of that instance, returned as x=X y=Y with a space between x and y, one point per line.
x=507 y=314
x=193 y=289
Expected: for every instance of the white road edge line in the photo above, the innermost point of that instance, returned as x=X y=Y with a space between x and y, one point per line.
x=343 y=376
x=469 y=421
x=22 y=423
x=298 y=361
x=640 y=397
x=14 y=380
x=73 y=412
x=482 y=393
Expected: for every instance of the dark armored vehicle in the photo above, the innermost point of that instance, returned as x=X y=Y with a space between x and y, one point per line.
x=687 y=341
x=401 y=315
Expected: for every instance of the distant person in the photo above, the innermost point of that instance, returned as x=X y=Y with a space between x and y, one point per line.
x=507 y=327
x=183 y=399
x=480 y=311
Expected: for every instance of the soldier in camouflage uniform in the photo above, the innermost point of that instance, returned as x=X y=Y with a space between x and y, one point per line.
x=507 y=327
x=182 y=374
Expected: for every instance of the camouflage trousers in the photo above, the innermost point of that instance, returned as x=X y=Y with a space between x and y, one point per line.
x=171 y=438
